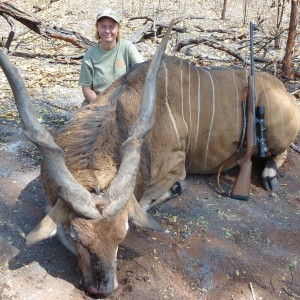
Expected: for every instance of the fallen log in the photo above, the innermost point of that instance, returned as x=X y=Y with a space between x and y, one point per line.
x=36 y=25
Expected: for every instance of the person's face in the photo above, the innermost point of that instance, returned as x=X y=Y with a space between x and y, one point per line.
x=108 y=29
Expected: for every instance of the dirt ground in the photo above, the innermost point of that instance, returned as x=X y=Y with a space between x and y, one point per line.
x=216 y=247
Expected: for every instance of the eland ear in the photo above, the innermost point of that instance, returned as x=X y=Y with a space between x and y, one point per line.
x=48 y=226
x=45 y=229
x=140 y=218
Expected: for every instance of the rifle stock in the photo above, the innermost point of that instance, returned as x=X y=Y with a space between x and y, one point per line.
x=241 y=186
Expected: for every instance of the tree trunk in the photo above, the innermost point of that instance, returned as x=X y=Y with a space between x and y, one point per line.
x=246 y=2
x=279 y=15
x=287 y=60
x=224 y=10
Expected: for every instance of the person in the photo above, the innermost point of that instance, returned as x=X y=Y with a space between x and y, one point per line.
x=107 y=60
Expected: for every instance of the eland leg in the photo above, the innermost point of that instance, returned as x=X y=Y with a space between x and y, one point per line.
x=270 y=172
x=176 y=189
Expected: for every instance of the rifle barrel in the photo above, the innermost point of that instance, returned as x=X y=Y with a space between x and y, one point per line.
x=252 y=27
x=253 y=98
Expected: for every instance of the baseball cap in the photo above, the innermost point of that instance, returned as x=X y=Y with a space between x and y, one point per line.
x=110 y=14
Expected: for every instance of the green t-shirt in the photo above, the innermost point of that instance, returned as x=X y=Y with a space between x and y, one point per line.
x=99 y=68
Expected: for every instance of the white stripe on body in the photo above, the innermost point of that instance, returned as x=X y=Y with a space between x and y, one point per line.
x=190 y=112
x=198 y=119
x=168 y=106
x=238 y=103
x=182 y=96
x=212 y=119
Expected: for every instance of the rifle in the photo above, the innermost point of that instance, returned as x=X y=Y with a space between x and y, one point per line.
x=241 y=186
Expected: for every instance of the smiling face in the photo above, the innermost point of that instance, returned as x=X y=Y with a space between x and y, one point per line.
x=108 y=31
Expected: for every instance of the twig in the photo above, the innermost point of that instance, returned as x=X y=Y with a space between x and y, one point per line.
x=11 y=34
x=297 y=91
x=270 y=40
x=252 y=291
x=141 y=266
x=294 y=147
x=214 y=30
x=57 y=106
x=290 y=283
x=291 y=293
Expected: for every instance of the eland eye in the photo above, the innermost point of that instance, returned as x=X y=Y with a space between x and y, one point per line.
x=73 y=234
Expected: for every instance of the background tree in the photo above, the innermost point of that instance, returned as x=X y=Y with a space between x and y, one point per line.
x=287 y=60
x=224 y=10
x=246 y=4
x=280 y=7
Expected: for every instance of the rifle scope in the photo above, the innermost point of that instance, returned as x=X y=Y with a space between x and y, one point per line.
x=262 y=147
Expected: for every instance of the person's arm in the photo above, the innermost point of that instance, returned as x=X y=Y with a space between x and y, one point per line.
x=88 y=93
x=134 y=55
x=86 y=80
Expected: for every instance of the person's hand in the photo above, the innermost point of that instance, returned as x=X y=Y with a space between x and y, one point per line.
x=88 y=93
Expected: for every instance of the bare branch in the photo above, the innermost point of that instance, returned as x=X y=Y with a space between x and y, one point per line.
x=11 y=33
x=36 y=25
x=208 y=42
x=271 y=39
x=216 y=45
